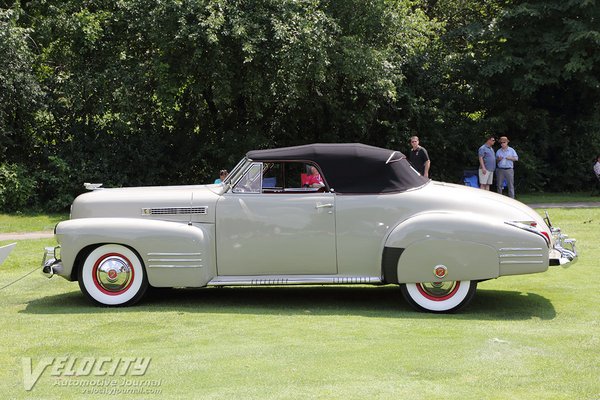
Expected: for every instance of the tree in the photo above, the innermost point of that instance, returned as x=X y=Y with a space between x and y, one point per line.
x=147 y=92
x=19 y=101
x=19 y=89
x=539 y=77
x=155 y=92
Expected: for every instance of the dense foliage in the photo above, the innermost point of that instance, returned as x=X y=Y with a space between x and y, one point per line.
x=146 y=92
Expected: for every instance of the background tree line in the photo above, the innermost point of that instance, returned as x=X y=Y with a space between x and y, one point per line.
x=150 y=92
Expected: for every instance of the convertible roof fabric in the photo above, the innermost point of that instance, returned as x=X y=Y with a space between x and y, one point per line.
x=351 y=167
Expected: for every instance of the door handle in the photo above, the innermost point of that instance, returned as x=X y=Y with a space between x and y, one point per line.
x=328 y=205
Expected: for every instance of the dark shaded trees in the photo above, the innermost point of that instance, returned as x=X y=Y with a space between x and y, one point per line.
x=164 y=92
x=540 y=78
x=19 y=101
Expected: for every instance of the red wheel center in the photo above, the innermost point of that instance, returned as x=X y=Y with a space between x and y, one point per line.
x=436 y=292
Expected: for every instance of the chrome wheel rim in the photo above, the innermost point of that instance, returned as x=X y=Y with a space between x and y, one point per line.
x=113 y=274
x=438 y=291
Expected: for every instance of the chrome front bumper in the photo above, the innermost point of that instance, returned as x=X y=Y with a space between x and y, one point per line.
x=563 y=252
x=51 y=263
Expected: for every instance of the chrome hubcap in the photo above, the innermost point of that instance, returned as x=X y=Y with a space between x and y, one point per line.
x=438 y=289
x=114 y=273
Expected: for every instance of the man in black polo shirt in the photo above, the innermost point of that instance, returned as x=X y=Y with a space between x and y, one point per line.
x=418 y=157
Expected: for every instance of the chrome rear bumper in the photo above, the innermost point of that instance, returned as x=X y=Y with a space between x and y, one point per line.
x=51 y=263
x=563 y=252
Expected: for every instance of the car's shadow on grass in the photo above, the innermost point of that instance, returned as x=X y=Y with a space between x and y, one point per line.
x=368 y=301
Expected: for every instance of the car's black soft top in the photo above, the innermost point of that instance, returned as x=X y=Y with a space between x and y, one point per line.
x=351 y=167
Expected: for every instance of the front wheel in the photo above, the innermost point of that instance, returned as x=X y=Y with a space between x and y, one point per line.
x=439 y=297
x=113 y=275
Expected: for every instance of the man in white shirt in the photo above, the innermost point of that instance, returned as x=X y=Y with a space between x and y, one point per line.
x=505 y=157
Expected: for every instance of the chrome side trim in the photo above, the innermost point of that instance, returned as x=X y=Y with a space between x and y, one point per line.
x=292 y=280
x=521 y=262
x=174 y=254
x=521 y=249
x=175 y=260
x=521 y=255
x=356 y=279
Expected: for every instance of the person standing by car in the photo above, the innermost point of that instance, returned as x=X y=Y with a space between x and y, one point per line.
x=418 y=157
x=506 y=157
x=222 y=175
x=597 y=173
x=487 y=163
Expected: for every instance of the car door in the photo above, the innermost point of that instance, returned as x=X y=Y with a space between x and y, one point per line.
x=283 y=231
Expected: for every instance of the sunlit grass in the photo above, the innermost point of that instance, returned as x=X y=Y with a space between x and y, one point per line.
x=525 y=337
x=29 y=222
x=529 y=198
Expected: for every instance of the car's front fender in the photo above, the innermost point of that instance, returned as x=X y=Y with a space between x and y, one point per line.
x=468 y=246
x=174 y=254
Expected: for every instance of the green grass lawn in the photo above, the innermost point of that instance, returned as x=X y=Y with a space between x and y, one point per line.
x=524 y=337
x=29 y=222
x=529 y=198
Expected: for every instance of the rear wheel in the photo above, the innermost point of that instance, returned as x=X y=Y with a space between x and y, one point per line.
x=439 y=297
x=113 y=275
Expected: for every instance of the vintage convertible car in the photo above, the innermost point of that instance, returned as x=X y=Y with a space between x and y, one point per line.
x=373 y=220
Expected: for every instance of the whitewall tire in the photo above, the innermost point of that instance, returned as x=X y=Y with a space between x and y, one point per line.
x=439 y=296
x=113 y=275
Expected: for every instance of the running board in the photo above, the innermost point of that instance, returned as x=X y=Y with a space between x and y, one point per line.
x=259 y=280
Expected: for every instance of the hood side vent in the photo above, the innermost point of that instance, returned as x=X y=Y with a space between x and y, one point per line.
x=175 y=210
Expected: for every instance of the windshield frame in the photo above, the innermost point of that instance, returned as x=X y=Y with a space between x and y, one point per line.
x=233 y=175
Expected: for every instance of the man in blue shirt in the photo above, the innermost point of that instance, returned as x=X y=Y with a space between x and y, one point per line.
x=506 y=156
x=487 y=163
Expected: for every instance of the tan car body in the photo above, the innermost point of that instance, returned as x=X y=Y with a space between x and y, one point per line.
x=267 y=235
x=209 y=235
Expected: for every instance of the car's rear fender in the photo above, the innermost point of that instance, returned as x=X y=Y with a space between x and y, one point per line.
x=467 y=246
x=174 y=254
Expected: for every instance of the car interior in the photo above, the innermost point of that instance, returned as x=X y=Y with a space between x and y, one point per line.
x=287 y=177
x=278 y=177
